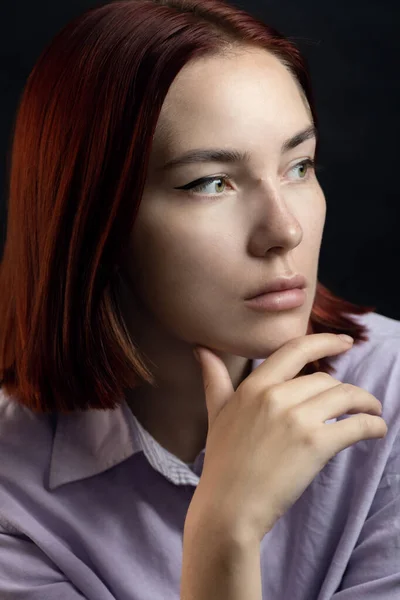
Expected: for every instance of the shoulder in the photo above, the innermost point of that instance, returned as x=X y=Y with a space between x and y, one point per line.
x=374 y=365
x=25 y=441
x=376 y=359
x=379 y=326
x=16 y=419
x=379 y=354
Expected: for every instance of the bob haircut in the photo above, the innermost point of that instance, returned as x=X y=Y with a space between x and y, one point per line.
x=80 y=148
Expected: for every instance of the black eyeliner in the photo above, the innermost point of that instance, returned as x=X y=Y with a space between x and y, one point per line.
x=308 y=161
x=197 y=182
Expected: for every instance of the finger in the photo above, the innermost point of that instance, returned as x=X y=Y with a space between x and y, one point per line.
x=339 y=400
x=218 y=388
x=290 y=359
x=339 y=435
x=300 y=389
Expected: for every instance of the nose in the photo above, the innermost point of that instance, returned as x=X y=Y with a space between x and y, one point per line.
x=275 y=226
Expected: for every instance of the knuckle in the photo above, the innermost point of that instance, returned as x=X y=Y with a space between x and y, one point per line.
x=296 y=421
x=299 y=428
x=295 y=343
x=310 y=439
x=365 y=424
x=347 y=388
x=271 y=398
x=322 y=376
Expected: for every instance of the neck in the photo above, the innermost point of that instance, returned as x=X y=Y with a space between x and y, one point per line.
x=174 y=412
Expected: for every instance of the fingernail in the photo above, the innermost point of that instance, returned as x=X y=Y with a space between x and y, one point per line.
x=346 y=338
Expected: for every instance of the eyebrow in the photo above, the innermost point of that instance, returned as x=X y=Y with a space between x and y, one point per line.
x=227 y=155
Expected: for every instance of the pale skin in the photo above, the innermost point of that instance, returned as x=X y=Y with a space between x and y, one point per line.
x=194 y=257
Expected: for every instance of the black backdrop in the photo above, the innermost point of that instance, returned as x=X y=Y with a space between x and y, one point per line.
x=353 y=50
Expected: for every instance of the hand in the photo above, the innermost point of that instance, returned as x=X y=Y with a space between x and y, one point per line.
x=267 y=440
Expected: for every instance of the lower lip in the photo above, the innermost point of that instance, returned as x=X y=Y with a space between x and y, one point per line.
x=278 y=300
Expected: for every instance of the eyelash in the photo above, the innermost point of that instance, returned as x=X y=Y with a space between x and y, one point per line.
x=197 y=186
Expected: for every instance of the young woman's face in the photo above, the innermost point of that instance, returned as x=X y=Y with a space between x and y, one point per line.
x=195 y=256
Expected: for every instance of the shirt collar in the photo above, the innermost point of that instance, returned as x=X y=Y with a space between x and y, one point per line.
x=87 y=443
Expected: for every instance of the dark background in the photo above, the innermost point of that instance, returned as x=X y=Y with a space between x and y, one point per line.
x=353 y=51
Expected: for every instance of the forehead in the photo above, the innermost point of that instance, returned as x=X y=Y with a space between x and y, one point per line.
x=248 y=96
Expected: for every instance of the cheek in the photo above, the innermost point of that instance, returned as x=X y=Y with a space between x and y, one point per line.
x=310 y=214
x=169 y=255
x=312 y=217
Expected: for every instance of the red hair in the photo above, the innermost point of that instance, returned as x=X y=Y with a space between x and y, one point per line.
x=81 y=144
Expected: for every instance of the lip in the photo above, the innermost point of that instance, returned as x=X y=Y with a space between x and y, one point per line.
x=280 y=284
x=278 y=301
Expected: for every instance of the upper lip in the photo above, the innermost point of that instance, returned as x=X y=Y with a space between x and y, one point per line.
x=279 y=284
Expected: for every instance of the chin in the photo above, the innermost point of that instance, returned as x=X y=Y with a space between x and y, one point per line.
x=260 y=342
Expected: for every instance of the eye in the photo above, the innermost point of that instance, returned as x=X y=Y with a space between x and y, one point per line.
x=304 y=167
x=200 y=185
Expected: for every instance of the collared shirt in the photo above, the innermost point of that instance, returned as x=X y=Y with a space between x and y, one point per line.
x=93 y=507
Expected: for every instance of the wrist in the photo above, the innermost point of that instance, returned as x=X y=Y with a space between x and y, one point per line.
x=214 y=522
x=219 y=562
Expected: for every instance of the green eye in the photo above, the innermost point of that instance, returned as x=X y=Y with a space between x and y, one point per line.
x=303 y=170
x=223 y=184
x=303 y=167
x=204 y=182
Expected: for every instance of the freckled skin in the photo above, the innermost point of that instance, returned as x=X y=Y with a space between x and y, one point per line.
x=193 y=259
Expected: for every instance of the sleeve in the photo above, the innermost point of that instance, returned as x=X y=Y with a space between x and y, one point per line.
x=26 y=573
x=373 y=571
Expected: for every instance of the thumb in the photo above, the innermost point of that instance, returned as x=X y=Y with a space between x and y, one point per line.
x=218 y=388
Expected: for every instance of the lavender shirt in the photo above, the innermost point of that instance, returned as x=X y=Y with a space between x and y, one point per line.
x=91 y=506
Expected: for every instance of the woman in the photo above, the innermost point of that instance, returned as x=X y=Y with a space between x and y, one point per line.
x=123 y=254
